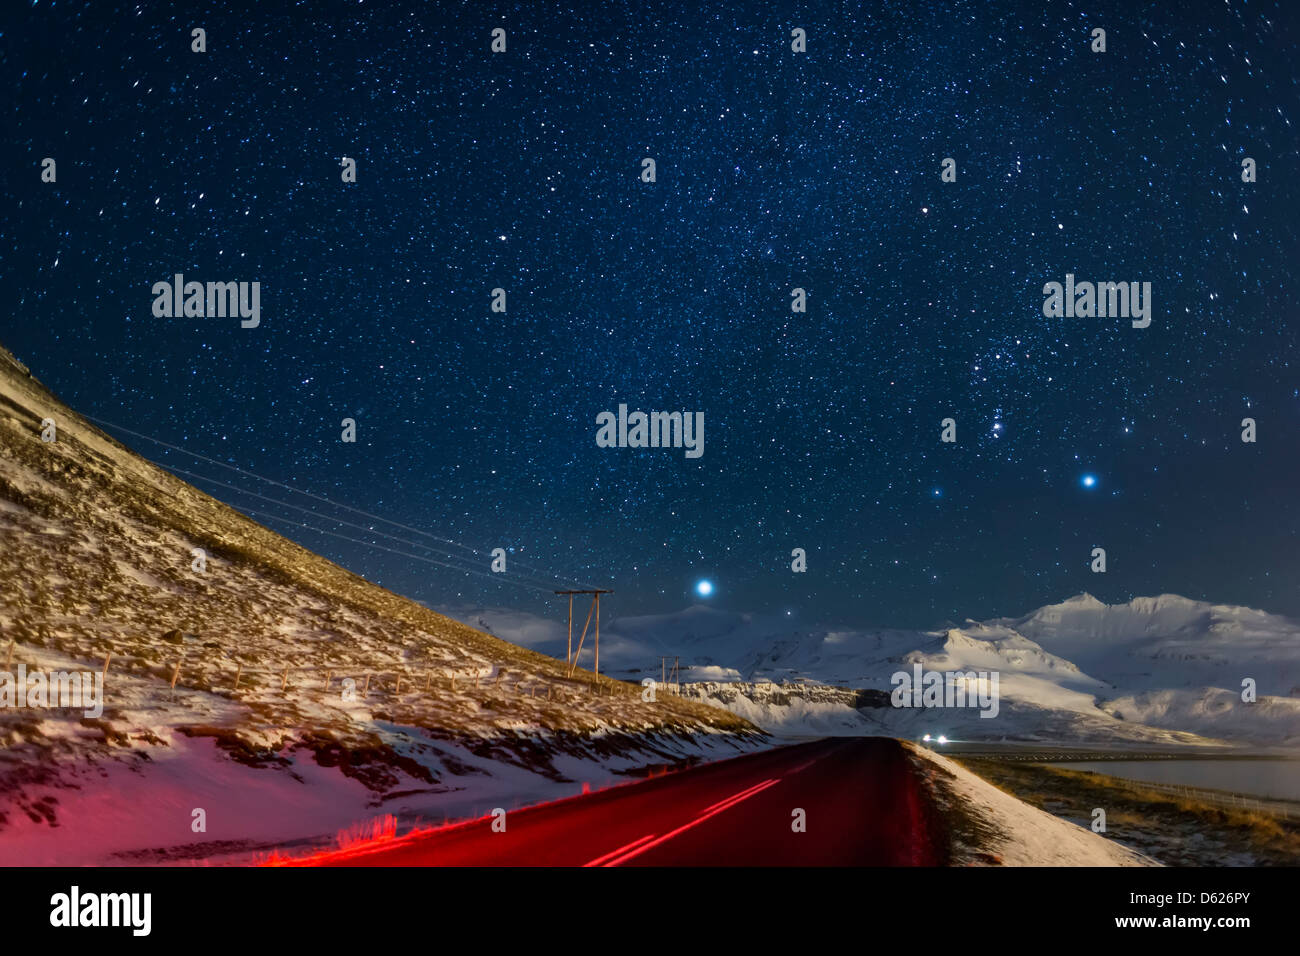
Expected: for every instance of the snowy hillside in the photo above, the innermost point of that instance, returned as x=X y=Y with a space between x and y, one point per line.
x=1154 y=670
x=305 y=697
x=1167 y=642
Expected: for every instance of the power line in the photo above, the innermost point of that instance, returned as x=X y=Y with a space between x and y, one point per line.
x=308 y=494
x=316 y=497
x=347 y=524
x=380 y=547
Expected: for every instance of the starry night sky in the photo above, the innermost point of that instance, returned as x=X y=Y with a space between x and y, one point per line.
x=776 y=170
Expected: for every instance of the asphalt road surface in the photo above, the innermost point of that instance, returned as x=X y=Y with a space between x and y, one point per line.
x=862 y=806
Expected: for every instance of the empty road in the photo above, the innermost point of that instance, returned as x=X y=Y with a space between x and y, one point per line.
x=861 y=805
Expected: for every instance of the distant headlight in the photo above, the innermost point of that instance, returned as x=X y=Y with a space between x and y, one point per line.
x=943 y=739
x=926 y=738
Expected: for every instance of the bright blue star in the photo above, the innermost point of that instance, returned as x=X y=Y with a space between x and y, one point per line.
x=1088 y=481
x=704 y=588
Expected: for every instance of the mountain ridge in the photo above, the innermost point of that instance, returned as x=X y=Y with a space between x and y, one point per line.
x=1142 y=670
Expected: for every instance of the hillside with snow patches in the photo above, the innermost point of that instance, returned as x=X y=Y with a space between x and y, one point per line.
x=305 y=698
x=1161 y=670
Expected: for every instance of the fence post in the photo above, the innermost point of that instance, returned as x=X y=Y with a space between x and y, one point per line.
x=9 y=658
x=328 y=675
x=366 y=690
x=175 y=674
x=428 y=679
x=238 y=671
x=397 y=688
x=284 y=681
x=107 y=658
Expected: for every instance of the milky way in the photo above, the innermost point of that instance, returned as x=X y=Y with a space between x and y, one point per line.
x=775 y=170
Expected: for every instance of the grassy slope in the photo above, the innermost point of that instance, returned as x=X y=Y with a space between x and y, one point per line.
x=1173 y=829
x=96 y=560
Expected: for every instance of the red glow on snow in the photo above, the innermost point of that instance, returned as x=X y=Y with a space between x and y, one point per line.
x=363 y=838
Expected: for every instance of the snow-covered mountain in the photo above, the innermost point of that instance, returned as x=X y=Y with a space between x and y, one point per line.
x=1167 y=641
x=1161 y=669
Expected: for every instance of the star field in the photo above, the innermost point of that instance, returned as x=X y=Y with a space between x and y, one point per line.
x=775 y=170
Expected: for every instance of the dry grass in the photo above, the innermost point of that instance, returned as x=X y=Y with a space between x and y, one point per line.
x=1173 y=829
x=96 y=561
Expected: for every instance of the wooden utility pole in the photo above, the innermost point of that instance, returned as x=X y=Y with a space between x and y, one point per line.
x=568 y=656
x=595 y=609
x=665 y=673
